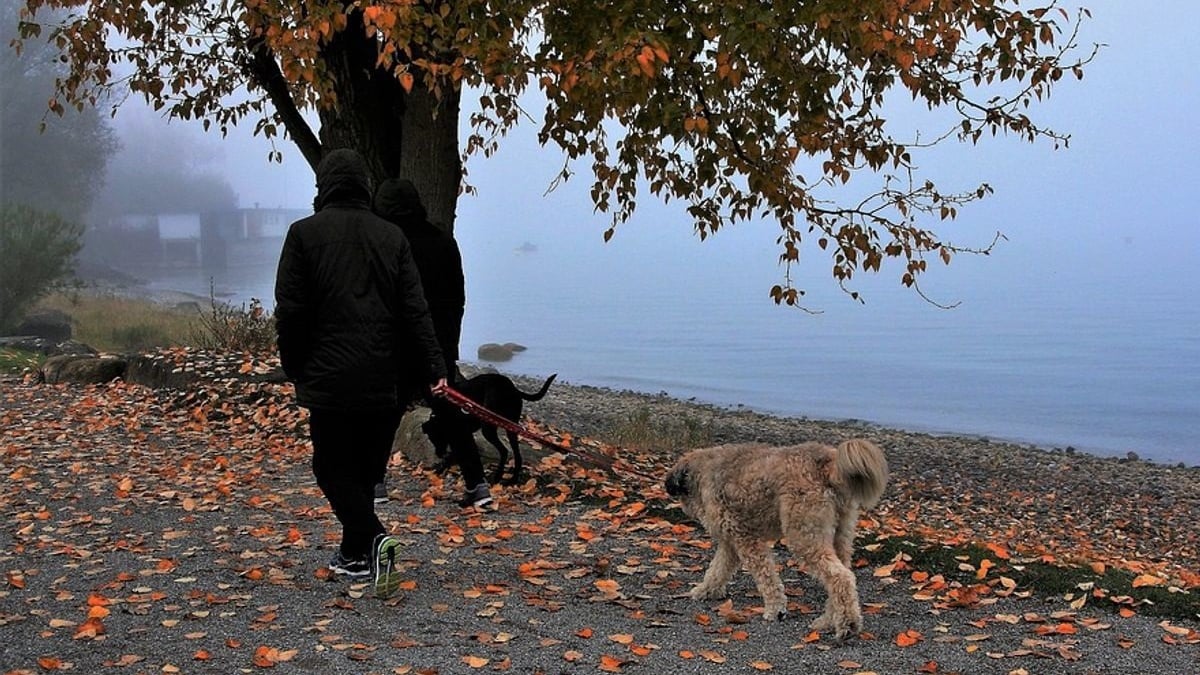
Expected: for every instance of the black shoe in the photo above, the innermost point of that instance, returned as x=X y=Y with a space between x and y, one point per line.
x=350 y=568
x=477 y=496
x=381 y=493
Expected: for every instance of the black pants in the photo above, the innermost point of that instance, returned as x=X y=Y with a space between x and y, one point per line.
x=348 y=448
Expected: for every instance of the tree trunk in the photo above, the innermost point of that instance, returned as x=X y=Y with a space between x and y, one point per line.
x=429 y=154
x=401 y=134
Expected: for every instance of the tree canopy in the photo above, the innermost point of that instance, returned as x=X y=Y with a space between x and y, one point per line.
x=739 y=109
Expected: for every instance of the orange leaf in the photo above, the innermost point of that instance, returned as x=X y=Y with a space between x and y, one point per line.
x=621 y=638
x=584 y=633
x=98 y=612
x=475 y=661
x=406 y=81
x=908 y=638
x=610 y=664
x=761 y=665
x=1147 y=580
x=50 y=662
x=202 y=655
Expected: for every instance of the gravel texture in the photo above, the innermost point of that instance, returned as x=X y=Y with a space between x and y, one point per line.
x=180 y=531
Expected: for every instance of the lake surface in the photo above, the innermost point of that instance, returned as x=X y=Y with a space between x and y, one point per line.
x=1098 y=352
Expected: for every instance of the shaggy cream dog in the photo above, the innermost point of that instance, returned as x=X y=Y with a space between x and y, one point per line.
x=747 y=496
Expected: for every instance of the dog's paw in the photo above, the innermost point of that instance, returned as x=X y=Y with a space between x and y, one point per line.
x=822 y=623
x=702 y=593
x=774 y=613
x=847 y=630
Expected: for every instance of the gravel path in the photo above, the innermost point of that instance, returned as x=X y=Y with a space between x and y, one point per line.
x=180 y=532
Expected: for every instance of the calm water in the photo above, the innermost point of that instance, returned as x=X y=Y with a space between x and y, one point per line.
x=1100 y=352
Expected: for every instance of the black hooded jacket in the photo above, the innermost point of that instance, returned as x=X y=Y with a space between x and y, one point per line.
x=349 y=307
x=438 y=258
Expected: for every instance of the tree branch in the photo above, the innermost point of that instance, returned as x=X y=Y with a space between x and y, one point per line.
x=264 y=71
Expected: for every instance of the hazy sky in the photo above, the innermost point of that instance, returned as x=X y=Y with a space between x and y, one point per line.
x=1131 y=169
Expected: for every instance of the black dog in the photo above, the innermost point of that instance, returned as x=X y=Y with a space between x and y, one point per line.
x=496 y=393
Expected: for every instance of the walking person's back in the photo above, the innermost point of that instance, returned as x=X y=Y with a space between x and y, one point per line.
x=348 y=302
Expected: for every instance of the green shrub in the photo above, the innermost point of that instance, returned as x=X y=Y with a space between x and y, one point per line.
x=37 y=254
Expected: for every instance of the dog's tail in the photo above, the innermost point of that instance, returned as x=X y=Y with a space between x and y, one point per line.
x=860 y=471
x=541 y=392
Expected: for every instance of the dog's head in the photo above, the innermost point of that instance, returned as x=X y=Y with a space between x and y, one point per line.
x=680 y=481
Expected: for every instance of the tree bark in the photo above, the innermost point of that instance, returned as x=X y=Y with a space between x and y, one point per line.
x=430 y=155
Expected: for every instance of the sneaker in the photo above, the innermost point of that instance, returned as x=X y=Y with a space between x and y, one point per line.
x=387 y=576
x=477 y=496
x=350 y=568
x=381 y=493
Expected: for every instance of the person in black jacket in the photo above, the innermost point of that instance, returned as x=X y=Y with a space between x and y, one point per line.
x=348 y=302
x=440 y=264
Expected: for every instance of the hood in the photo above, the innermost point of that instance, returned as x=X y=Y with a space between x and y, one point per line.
x=342 y=176
x=398 y=201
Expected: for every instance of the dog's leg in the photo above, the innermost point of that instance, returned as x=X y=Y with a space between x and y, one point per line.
x=842 y=614
x=843 y=538
x=759 y=561
x=517 y=464
x=810 y=528
x=720 y=570
x=489 y=432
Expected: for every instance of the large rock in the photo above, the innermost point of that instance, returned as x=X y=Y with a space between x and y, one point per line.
x=82 y=369
x=52 y=324
x=497 y=352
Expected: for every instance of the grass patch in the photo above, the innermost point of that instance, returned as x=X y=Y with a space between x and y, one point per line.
x=114 y=324
x=957 y=563
x=16 y=361
x=642 y=432
x=111 y=323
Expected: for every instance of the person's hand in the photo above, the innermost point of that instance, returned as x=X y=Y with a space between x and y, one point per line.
x=438 y=387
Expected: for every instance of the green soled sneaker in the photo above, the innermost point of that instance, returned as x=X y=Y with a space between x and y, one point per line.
x=383 y=564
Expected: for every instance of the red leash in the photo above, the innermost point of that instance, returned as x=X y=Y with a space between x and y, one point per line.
x=475 y=409
x=471 y=407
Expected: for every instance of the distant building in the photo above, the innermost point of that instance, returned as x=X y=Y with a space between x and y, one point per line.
x=213 y=240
